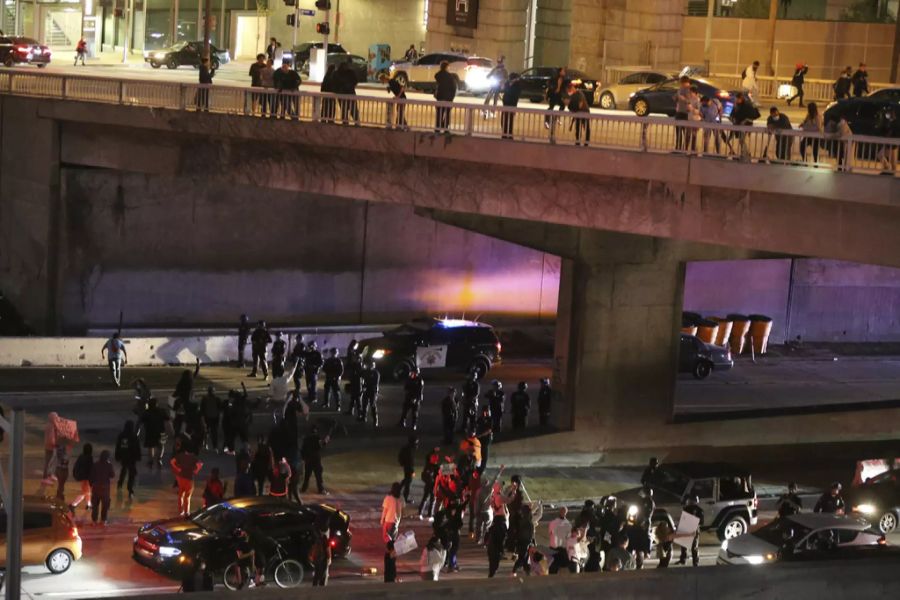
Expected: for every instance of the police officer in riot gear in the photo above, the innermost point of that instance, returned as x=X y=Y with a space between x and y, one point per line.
x=520 y=402
x=789 y=503
x=243 y=336
x=311 y=367
x=333 y=369
x=371 y=378
x=831 y=501
x=259 y=341
x=544 y=396
x=279 y=349
x=610 y=524
x=496 y=400
x=691 y=505
x=470 y=390
x=353 y=374
x=449 y=414
x=414 y=389
x=298 y=354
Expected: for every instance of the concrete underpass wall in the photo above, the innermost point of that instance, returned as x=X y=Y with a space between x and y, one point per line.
x=809 y=299
x=180 y=251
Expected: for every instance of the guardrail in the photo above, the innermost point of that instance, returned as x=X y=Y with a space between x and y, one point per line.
x=813 y=89
x=640 y=134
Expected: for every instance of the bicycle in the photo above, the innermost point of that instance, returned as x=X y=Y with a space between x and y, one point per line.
x=286 y=572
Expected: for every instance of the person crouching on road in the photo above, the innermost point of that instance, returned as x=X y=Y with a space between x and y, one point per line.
x=185 y=465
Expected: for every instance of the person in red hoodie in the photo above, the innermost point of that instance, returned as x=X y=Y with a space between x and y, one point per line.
x=185 y=466
x=215 y=489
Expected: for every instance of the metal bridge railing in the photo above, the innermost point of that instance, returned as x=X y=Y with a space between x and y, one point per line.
x=854 y=153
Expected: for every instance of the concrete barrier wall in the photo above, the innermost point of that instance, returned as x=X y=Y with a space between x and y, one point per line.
x=850 y=580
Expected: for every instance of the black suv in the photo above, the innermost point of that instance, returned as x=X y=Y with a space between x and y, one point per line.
x=452 y=344
x=726 y=495
x=301 y=52
x=185 y=53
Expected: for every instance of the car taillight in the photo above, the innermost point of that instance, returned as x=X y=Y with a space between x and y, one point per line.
x=332 y=542
x=73 y=533
x=22 y=49
x=499 y=347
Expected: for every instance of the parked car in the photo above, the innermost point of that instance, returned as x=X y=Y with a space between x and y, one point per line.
x=700 y=359
x=22 y=50
x=301 y=52
x=878 y=500
x=171 y=546
x=660 y=98
x=725 y=491
x=49 y=537
x=471 y=72
x=804 y=537
x=617 y=94
x=358 y=64
x=535 y=81
x=185 y=53
x=862 y=114
x=449 y=344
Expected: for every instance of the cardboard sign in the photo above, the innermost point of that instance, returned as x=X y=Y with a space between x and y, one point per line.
x=431 y=357
x=688 y=525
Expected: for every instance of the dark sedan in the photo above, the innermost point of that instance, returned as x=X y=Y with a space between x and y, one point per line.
x=878 y=500
x=700 y=359
x=660 y=98
x=534 y=82
x=23 y=50
x=863 y=114
x=185 y=53
x=301 y=52
x=170 y=546
x=358 y=65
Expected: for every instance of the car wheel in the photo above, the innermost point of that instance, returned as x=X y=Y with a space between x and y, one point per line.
x=702 y=370
x=481 y=366
x=888 y=522
x=608 y=101
x=734 y=526
x=172 y=64
x=8 y=61
x=401 y=371
x=215 y=65
x=59 y=561
x=41 y=65
x=402 y=79
x=155 y=65
x=288 y=573
x=641 y=108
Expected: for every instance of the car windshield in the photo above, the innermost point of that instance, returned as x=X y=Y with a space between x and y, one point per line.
x=221 y=518
x=669 y=480
x=176 y=47
x=774 y=532
x=886 y=476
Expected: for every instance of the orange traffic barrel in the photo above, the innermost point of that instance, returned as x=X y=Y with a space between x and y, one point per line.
x=689 y=322
x=760 y=328
x=707 y=330
x=724 y=332
x=740 y=325
x=689 y=329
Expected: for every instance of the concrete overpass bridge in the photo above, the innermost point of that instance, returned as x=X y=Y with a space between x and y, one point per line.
x=625 y=214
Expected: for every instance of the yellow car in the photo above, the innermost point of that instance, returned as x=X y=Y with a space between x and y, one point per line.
x=49 y=537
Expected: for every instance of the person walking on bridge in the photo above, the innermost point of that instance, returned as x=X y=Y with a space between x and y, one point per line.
x=116 y=356
x=205 y=80
x=444 y=91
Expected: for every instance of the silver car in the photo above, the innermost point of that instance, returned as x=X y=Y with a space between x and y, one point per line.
x=805 y=536
x=471 y=72
x=617 y=94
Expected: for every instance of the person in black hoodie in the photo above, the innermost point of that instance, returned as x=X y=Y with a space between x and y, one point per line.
x=512 y=91
x=328 y=87
x=842 y=85
x=312 y=364
x=797 y=82
x=128 y=455
x=860 y=81
x=345 y=79
x=287 y=82
x=206 y=78
x=444 y=91
x=743 y=114
x=407 y=458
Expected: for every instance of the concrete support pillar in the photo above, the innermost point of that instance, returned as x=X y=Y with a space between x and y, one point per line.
x=617 y=335
x=30 y=224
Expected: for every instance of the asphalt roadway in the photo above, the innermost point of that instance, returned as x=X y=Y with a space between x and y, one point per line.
x=360 y=464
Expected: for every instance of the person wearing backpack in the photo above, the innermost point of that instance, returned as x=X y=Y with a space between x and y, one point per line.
x=81 y=473
x=128 y=455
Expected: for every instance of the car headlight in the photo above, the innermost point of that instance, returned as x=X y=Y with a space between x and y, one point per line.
x=588 y=85
x=168 y=551
x=866 y=509
x=159 y=55
x=378 y=354
x=725 y=545
x=755 y=559
x=631 y=95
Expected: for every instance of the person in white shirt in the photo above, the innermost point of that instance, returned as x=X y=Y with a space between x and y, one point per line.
x=391 y=511
x=559 y=529
x=749 y=82
x=577 y=549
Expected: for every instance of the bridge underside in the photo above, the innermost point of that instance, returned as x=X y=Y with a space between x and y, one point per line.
x=625 y=223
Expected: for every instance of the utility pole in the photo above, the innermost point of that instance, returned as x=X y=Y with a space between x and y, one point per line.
x=175 y=9
x=127 y=7
x=895 y=57
x=295 y=27
x=770 y=47
x=707 y=40
x=206 y=14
